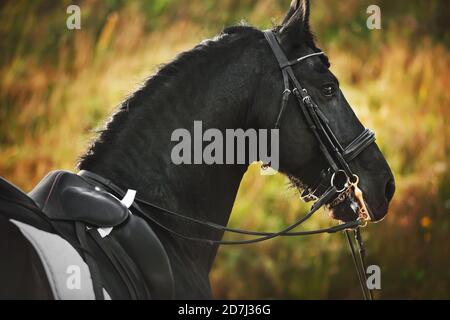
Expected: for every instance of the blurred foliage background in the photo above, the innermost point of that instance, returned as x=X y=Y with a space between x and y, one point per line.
x=57 y=86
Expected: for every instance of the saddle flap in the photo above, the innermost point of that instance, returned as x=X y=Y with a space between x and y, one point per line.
x=97 y=208
x=63 y=195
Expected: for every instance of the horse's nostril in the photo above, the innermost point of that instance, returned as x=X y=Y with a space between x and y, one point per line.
x=390 y=189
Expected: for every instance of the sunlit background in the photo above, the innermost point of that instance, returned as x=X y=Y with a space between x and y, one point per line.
x=57 y=86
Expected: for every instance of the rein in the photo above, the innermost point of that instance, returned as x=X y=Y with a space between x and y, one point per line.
x=138 y=205
x=358 y=257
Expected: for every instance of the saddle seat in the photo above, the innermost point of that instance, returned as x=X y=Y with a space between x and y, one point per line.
x=129 y=261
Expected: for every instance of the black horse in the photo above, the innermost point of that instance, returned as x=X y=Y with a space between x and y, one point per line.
x=232 y=81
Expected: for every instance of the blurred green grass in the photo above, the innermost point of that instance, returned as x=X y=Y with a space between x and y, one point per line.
x=56 y=86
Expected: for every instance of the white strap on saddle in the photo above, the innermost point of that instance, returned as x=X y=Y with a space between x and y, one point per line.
x=67 y=273
x=127 y=201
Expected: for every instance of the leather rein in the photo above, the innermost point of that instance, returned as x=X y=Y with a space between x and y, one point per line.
x=335 y=183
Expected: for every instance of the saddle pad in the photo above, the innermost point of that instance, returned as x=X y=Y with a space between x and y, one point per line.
x=67 y=273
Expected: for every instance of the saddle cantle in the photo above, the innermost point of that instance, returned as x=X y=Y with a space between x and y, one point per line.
x=15 y=204
x=129 y=262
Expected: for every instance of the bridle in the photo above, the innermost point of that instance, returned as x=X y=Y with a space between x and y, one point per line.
x=337 y=156
x=335 y=183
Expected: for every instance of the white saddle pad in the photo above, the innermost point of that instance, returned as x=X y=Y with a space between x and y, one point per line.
x=67 y=273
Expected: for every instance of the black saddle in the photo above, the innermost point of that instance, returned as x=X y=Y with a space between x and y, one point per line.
x=129 y=263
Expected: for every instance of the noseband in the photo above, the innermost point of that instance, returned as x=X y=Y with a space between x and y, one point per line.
x=336 y=181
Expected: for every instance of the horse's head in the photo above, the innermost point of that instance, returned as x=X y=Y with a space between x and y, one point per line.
x=300 y=155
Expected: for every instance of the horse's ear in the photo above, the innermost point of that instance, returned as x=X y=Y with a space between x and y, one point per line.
x=296 y=22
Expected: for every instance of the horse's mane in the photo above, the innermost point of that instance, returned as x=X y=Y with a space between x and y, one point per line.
x=154 y=90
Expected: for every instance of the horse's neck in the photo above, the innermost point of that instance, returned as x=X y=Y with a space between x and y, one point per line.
x=141 y=160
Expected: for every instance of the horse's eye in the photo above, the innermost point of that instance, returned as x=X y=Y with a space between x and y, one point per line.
x=328 y=90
